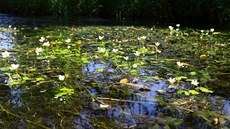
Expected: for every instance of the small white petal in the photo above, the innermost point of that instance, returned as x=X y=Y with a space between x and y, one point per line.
x=61 y=77
x=5 y=54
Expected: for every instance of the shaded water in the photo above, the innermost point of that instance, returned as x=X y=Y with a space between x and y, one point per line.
x=131 y=107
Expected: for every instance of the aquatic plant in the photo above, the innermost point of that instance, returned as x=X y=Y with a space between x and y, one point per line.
x=77 y=72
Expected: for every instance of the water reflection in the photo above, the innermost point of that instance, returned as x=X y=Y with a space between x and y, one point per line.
x=141 y=106
x=6 y=40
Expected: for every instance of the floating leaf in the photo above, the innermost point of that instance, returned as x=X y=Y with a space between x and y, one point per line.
x=203 y=89
x=100 y=70
x=180 y=78
x=64 y=92
x=179 y=92
x=153 y=77
x=14 y=82
x=85 y=61
x=193 y=73
x=4 y=69
x=193 y=92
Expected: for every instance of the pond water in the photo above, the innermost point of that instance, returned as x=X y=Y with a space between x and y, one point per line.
x=95 y=73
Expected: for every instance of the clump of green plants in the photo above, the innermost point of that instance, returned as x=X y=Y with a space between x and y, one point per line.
x=71 y=66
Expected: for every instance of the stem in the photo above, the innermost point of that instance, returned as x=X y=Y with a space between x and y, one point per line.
x=28 y=121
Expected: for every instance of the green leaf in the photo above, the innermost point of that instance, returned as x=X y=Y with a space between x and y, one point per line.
x=193 y=73
x=16 y=82
x=179 y=92
x=153 y=77
x=203 y=89
x=5 y=69
x=100 y=70
x=64 y=92
x=85 y=61
x=180 y=78
x=193 y=92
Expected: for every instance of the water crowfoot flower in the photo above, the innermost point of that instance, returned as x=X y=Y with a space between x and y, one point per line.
x=100 y=37
x=134 y=65
x=157 y=44
x=68 y=40
x=115 y=50
x=178 y=25
x=61 y=77
x=42 y=39
x=14 y=66
x=137 y=53
x=170 y=27
x=101 y=50
x=5 y=54
x=179 y=64
x=38 y=50
x=141 y=38
x=126 y=58
x=212 y=30
x=46 y=44
x=172 y=80
x=195 y=82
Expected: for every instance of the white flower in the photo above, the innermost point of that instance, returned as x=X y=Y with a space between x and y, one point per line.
x=157 y=44
x=179 y=64
x=46 y=44
x=115 y=50
x=195 y=82
x=10 y=26
x=178 y=25
x=141 y=38
x=38 y=50
x=101 y=50
x=68 y=40
x=61 y=77
x=15 y=28
x=212 y=30
x=202 y=31
x=5 y=54
x=170 y=27
x=126 y=58
x=134 y=65
x=14 y=66
x=42 y=39
x=137 y=53
x=172 y=80
x=100 y=37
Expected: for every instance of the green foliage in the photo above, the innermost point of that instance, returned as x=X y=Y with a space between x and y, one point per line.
x=205 y=90
x=64 y=92
x=157 y=10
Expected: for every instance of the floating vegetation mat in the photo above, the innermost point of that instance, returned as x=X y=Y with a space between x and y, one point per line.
x=114 y=77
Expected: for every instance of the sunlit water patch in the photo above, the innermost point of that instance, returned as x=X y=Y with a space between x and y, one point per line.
x=6 y=40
